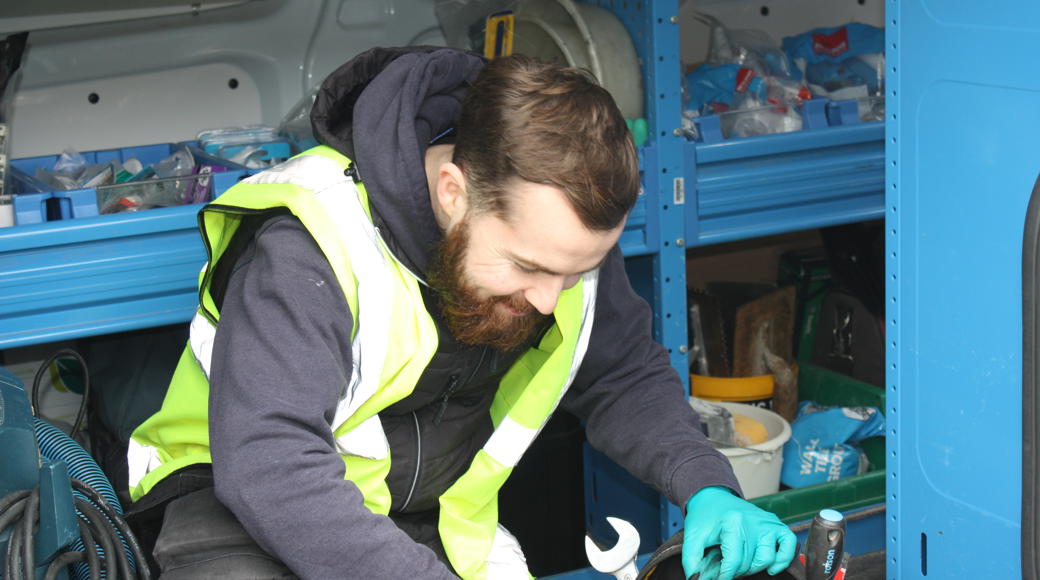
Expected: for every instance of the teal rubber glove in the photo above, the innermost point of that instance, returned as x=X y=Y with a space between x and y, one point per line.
x=751 y=539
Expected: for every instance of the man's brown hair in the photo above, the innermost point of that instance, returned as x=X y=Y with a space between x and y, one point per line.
x=551 y=125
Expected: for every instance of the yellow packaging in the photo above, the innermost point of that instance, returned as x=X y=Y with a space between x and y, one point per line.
x=757 y=390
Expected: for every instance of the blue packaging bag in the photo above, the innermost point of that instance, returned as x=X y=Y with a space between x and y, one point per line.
x=835 y=44
x=823 y=441
x=838 y=57
x=711 y=84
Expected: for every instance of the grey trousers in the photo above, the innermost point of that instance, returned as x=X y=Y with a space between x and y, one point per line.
x=200 y=538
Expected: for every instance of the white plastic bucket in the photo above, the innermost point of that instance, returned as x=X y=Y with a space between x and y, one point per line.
x=757 y=467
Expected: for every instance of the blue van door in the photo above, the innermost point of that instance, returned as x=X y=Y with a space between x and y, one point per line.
x=963 y=119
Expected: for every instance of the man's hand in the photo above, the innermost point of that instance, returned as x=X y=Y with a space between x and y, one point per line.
x=751 y=538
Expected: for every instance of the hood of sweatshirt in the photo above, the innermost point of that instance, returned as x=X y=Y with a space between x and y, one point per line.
x=382 y=109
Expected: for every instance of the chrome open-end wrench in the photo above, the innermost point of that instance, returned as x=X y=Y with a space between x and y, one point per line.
x=621 y=559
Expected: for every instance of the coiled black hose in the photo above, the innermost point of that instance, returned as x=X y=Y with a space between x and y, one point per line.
x=102 y=531
x=38 y=378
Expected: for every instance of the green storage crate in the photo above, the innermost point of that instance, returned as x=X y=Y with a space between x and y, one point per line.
x=798 y=504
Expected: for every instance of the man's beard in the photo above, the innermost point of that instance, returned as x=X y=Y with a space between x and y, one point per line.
x=473 y=320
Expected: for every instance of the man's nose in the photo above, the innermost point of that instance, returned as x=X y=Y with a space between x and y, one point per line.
x=544 y=294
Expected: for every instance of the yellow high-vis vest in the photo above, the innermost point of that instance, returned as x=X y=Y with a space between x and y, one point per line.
x=393 y=340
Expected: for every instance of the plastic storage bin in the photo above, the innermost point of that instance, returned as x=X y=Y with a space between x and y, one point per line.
x=32 y=207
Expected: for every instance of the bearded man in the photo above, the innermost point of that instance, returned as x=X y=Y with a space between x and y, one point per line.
x=387 y=321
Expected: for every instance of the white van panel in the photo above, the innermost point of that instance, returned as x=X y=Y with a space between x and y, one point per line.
x=165 y=78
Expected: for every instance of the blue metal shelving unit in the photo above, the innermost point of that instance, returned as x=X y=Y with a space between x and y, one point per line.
x=704 y=193
x=98 y=275
x=89 y=276
x=756 y=186
x=83 y=274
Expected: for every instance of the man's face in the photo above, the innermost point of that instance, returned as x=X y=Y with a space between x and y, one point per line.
x=499 y=278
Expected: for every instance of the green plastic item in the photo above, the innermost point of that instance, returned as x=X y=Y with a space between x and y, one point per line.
x=809 y=272
x=827 y=387
x=640 y=131
x=799 y=504
x=802 y=503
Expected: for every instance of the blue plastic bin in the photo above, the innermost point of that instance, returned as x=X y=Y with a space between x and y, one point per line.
x=816 y=114
x=270 y=151
x=31 y=205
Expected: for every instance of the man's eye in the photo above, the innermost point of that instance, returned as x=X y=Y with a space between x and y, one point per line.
x=526 y=270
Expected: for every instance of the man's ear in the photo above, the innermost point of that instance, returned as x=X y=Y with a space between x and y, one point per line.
x=450 y=195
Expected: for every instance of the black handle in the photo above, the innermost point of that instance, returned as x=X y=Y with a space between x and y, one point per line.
x=825 y=546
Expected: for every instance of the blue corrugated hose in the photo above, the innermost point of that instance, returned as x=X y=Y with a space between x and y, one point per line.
x=55 y=445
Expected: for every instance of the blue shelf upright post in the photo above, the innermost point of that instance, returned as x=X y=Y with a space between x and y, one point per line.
x=654 y=28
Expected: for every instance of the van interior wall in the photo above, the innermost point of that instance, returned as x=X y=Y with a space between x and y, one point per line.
x=752 y=260
x=164 y=78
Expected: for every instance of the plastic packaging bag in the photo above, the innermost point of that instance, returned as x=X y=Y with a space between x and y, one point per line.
x=747 y=80
x=12 y=50
x=689 y=127
x=747 y=48
x=713 y=89
x=71 y=171
x=254 y=146
x=823 y=443
x=762 y=120
x=710 y=89
x=842 y=62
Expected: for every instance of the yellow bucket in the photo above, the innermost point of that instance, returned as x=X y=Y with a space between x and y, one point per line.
x=757 y=390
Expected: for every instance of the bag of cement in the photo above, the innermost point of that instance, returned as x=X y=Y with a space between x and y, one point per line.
x=823 y=445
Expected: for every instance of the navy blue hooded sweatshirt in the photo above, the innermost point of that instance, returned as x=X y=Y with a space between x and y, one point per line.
x=282 y=357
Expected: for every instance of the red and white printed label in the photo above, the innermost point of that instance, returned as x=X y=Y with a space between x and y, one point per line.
x=831 y=44
x=744 y=76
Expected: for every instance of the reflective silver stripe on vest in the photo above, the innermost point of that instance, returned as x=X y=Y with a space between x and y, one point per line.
x=510 y=439
x=506 y=561
x=140 y=459
x=201 y=335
